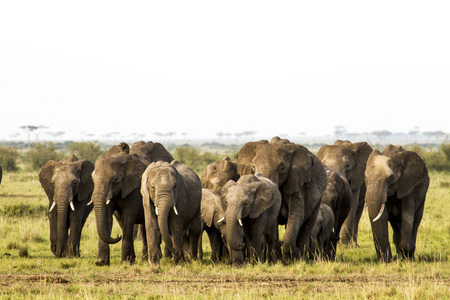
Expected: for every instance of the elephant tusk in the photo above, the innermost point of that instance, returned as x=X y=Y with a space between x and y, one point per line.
x=52 y=207
x=240 y=222
x=107 y=201
x=90 y=202
x=156 y=210
x=221 y=220
x=71 y=205
x=379 y=214
x=175 y=210
x=332 y=229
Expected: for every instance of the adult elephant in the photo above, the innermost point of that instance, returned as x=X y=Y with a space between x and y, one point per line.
x=68 y=185
x=172 y=194
x=349 y=159
x=117 y=181
x=397 y=183
x=301 y=179
x=217 y=174
x=338 y=196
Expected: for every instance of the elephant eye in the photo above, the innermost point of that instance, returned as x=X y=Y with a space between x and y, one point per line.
x=74 y=183
x=253 y=167
x=391 y=178
x=115 y=179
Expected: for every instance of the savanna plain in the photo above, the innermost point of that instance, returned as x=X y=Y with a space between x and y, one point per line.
x=28 y=268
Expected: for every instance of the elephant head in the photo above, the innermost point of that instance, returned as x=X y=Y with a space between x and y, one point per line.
x=163 y=185
x=66 y=183
x=347 y=158
x=117 y=175
x=246 y=199
x=217 y=174
x=150 y=152
x=211 y=209
x=392 y=174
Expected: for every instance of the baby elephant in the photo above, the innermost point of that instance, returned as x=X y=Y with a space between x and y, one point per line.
x=322 y=233
x=171 y=196
x=251 y=208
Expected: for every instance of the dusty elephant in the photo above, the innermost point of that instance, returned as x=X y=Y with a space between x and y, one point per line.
x=68 y=185
x=321 y=235
x=349 y=159
x=338 y=196
x=397 y=183
x=217 y=174
x=117 y=182
x=301 y=179
x=172 y=194
x=252 y=205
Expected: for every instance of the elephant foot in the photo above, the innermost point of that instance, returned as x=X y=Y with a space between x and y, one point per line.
x=101 y=262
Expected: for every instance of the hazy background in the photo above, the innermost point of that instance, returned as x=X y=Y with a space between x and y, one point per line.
x=192 y=69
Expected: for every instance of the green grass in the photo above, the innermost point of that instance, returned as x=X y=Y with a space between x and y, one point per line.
x=28 y=269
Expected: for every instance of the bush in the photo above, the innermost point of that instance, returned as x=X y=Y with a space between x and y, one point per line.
x=42 y=153
x=8 y=158
x=86 y=150
x=437 y=159
x=194 y=159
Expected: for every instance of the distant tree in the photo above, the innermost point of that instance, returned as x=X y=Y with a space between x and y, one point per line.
x=382 y=134
x=41 y=153
x=86 y=150
x=32 y=129
x=340 y=131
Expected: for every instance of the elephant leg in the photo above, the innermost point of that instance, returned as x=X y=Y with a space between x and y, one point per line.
x=305 y=232
x=295 y=219
x=194 y=237
x=176 y=230
x=103 y=258
x=347 y=230
x=153 y=236
x=128 y=254
x=144 y=242
x=73 y=242
x=272 y=241
x=407 y=244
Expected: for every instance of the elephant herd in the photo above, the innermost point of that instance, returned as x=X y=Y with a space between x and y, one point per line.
x=239 y=203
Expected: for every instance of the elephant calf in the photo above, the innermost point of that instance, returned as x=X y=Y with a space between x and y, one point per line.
x=251 y=206
x=171 y=196
x=321 y=234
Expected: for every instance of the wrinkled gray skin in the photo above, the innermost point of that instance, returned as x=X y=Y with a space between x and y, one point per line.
x=301 y=179
x=322 y=232
x=117 y=180
x=172 y=194
x=252 y=207
x=67 y=181
x=211 y=212
x=217 y=174
x=338 y=196
x=397 y=183
x=349 y=159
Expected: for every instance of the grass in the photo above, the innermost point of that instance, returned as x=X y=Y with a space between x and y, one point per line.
x=28 y=269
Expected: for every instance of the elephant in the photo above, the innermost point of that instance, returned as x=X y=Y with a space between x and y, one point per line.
x=1 y=174
x=217 y=174
x=211 y=211
x=252 y=205
x=172 y=194
x=322 y=233
x=68 y=185
x=349 y=159
x=338 y=196
x=117 y=182
x=397 y=183
x=301 y=179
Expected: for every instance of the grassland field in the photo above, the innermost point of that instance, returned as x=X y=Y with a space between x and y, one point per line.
x=28 y=268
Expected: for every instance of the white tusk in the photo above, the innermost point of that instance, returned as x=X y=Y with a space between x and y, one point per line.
x=332 y=229
x=379 y=214
x=53 y=206
x=221 y=220
x=107 y=201
x=71 y=205
x=90 y=202
x=240 y=222
x=175 y=210
x=156 y=210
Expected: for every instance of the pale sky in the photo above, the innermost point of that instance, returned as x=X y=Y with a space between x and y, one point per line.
x=202 y=67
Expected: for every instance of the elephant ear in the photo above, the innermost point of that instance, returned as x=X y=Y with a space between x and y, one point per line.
x=414 y=171
x=86 y=187
x=265 y=196
x=209 y=206
x=300 y=170
x=245 y=157
x=134 y=168
x=318 y=183
x=362 y=151
x=45 y=177
x=322 y=150
x=122 y=147
x=144 y=189
x=224 y=193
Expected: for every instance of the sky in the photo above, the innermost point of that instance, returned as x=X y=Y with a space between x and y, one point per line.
x=203 y=67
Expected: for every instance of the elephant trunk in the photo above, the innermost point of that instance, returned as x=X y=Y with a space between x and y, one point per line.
x=165 y=203
x=101 y=218
x=376 y=197
x=234 y=230
x=62 y=200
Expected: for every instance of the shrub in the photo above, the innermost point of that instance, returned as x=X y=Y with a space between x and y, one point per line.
x=8 y=158
x=86 y=150
x=42 y=153
x=437 y=159
x=194 y=159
